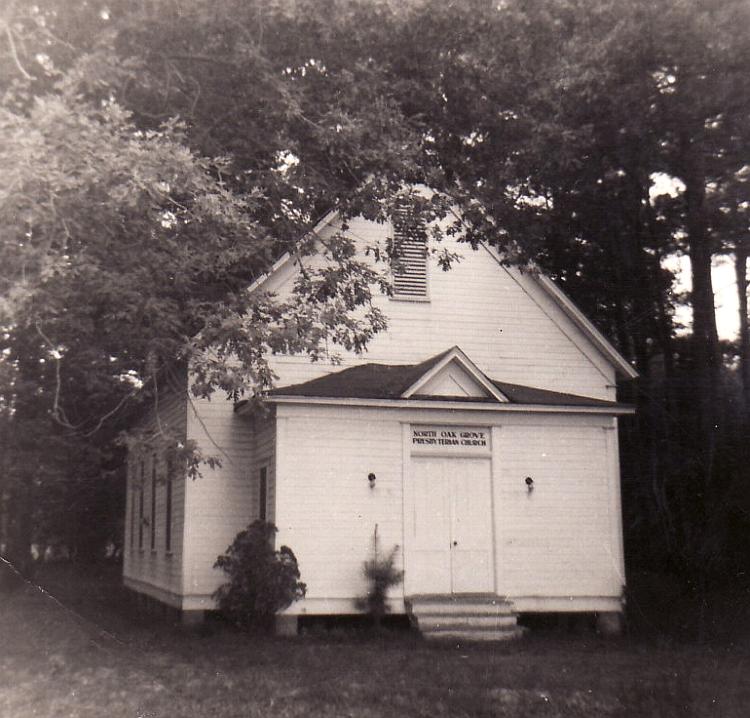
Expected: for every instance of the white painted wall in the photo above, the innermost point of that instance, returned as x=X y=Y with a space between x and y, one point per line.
x=500 y=317
x=207 y=512
x=452 y=381
x=264 y=455
x=220 y=503
x=157 y=572
x=563 y=537
x=555 y=547
x=326 y=510
x=558 y=546
x=319 y=458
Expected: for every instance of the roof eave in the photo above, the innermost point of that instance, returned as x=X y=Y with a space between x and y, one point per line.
x=613 y=410
x=602 y=344
x=458 y=355
x=579 y=318
x=622 y=366
x=287 y=256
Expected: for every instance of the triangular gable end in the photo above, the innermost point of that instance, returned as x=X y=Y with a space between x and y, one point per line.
x=452 y=381
x=590 y=332
x=455 y=375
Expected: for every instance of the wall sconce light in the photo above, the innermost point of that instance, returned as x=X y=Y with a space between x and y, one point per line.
x=529 y=484
x=371 y=478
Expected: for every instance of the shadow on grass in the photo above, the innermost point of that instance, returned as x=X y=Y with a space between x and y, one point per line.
x=85 y=644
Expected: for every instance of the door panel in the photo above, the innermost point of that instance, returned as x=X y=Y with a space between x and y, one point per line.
x=450 y=549
x=471 y=526
x=429 y=564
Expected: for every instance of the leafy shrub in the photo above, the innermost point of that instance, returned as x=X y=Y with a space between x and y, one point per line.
x=381 y=574
x=262 y=581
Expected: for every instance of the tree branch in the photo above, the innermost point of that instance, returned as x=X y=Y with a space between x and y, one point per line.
x=57 y=411
x=14 y=53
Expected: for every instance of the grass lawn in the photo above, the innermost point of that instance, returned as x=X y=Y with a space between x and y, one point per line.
x=77 y=651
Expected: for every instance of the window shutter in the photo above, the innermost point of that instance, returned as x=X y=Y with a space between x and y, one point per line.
x=263 y=494
x=153 y=502
x=168 y=504
x=140 y=506
x=410 y=260
x=133 y=500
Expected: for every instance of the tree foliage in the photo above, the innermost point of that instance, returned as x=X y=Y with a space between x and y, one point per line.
x=261 y=580
x=381 y=575
x=159 y=156
x=127 y=251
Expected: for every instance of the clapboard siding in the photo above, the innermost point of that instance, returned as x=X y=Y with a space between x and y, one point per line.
x=264 y=456
x=500 y=317
x=219 y=503
x=157 y=568
x=558 y=542
x=559 y=537
x=327 y=511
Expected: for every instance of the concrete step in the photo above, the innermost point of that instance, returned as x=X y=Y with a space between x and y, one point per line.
x=476 y=607
x=441 y=621
x=510 y=634
x=459 y=598
x=464 y=617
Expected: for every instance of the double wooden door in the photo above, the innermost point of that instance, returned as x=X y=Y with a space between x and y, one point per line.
x=449 y=547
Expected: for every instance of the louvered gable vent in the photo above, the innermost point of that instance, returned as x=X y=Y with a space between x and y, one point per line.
x=410 y=256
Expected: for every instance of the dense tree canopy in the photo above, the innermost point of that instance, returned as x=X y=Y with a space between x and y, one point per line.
x=158 y=156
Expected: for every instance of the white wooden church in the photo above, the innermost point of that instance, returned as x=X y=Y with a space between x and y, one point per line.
x=478 y=433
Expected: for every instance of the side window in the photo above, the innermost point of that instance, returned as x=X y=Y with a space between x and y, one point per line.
x=263 y=494
x=153 y=502
x=133 y=498
x=409 y=261
x=140 y=505
x=168 y=504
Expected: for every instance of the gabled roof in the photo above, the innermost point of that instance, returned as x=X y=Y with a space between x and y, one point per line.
x=456 y=357
x=602 y=344
x=578 y=318
x=397 y=382
x=366 y=381
x=287 y=257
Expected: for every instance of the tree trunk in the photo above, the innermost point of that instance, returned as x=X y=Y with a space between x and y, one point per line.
x=705 y=336
x=4 y=485
x=740 y=268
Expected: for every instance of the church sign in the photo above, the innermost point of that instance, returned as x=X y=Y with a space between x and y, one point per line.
x=450 y=439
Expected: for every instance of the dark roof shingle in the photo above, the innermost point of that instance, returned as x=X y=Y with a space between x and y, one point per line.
x=389 y=381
